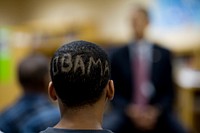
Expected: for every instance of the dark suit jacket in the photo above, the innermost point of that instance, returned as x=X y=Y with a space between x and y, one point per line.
x=161 y=78
x=163 y=97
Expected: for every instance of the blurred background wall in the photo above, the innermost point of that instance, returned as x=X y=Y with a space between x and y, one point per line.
x=43 y=25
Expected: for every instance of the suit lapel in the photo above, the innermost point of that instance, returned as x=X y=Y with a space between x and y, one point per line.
x=156 y=55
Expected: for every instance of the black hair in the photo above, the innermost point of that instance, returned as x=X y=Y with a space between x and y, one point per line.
x=143 y=10
x=79 y=71
x=33 y=72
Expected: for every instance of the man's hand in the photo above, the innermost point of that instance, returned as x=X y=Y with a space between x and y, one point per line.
x=144 y=117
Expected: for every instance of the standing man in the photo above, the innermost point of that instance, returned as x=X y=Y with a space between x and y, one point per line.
x=142 y=73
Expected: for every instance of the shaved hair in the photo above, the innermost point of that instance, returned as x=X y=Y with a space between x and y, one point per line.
x=80 y=71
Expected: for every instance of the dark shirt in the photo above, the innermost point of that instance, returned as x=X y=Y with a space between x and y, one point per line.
x=30 y=114
x=56 y=130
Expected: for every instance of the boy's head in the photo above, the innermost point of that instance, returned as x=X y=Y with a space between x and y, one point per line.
x=79 y=71
x=33 y=73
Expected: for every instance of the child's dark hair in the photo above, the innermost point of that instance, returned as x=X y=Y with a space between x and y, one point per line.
x=80 y=71
x=33 y=72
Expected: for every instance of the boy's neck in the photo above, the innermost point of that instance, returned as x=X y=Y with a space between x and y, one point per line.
x=80 y=119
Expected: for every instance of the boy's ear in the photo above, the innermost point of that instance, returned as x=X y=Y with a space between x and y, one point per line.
x=110 y=90
x=51 y=91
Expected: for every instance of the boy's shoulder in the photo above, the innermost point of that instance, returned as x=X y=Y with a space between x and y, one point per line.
x=56 y=130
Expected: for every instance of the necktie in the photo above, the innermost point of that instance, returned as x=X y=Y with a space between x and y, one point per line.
x=141 y=80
